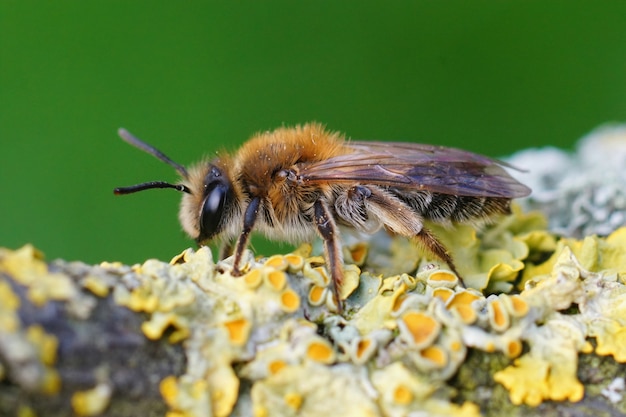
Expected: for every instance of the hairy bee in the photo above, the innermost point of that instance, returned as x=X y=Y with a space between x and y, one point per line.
x=293 y=184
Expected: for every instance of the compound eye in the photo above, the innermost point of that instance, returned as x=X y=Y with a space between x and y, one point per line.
x=212 y=209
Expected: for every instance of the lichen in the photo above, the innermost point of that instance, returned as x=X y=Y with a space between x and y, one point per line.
x=581 y=192
x=272 y=342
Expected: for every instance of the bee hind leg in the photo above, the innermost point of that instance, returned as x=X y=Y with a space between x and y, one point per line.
x=430 y=242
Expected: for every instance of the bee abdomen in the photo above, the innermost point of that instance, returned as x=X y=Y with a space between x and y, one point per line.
x=448 y=207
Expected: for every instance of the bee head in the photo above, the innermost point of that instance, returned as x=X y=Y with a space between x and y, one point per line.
x=216 y=200
x=207 y=192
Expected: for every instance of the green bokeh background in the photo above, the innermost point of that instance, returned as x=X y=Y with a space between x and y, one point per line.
x=191 y=77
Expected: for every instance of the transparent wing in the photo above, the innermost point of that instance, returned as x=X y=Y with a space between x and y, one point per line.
x=417 y=167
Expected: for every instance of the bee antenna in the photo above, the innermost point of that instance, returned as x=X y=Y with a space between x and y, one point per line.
x=152 y=184
x=139 y=144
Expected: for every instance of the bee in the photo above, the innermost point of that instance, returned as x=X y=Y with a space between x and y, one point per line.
x=296 y=184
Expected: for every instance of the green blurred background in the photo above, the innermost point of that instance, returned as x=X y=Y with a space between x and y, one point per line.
x=191 y=77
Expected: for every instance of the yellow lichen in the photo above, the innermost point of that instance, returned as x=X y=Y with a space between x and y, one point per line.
x=187 y=396
x=26 y=411
x=27 y=267
x=169 y=390
x=351 y=279
x=50 y=382
x=317 y=275
x=93 y=401
x=45 y=344
x=532 y=380
x=293 y=400
x=159 y=322
x=9 y=303
x=410 y=333
x=96 y=286
x=611 y=339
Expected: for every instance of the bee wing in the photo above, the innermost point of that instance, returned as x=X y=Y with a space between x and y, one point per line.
x=416 y=166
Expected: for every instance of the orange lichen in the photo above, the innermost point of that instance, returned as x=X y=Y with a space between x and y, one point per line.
x=293 y=400
x=277 y=262
x=465 y=312
x=422 y=328
x=515 y=305
x=461 y=303
x=276 y=280
x=436 y=355
x=402 y=395
x=498 y=316
x=238 y=331
x=513 y=348
x=294 y=262
x=253 y=278
x=320 y=350
x=276 y=366
x=290 y=301
x=397 y=304
x=363 y=346
x=463 y=297
x=317 y=295
x=443 y=294
x=358 y=253
x=442 y=278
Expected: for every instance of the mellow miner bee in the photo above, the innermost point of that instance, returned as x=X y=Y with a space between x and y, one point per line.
x=294 y=184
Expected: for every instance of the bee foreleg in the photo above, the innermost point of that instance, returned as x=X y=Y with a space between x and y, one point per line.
x=328 y=231
x=249 y=219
